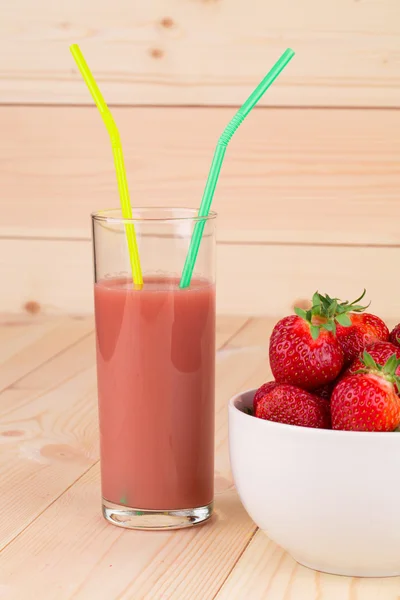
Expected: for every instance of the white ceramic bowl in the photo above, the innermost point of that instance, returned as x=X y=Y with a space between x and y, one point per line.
x=330 y=498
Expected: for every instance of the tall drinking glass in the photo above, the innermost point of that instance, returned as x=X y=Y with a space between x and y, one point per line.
x=155 y=370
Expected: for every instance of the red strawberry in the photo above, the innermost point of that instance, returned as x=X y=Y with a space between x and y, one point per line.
x=395 y=336
x=380 y=352
x=266 y=387
x=368 y=401
x=293 y=406
x=303 y=353
x=354 y=331
x=364 y=330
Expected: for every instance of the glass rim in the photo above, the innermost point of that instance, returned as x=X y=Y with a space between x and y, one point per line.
x=106 y=215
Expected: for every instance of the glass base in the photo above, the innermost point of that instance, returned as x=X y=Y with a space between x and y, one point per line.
x=135 y=518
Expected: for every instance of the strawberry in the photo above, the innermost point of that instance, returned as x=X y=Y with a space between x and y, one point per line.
x=395 y=336
x=355 y=330
x=302 y=352
x=380 y=352
x=262 y=390
x=293 y=406
x=368 y=400
x=364 y=329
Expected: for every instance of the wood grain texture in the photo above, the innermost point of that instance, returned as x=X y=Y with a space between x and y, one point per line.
x=289 y=176
x=60 y=368
x=21 y=330
x=252 y=279
x=202 y=51
x=266 y=571
x=53 y=440
x=43 y=408
x=109 y=563
x=228 y=328
x=33 y=354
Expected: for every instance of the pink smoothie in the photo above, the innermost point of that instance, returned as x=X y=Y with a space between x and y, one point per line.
x=155 y=364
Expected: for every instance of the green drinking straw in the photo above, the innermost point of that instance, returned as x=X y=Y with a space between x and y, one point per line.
x=217 y=163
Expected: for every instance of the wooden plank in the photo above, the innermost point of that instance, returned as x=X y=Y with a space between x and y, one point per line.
x=20 y=330
x=67 y=363
x=273 y=278
x=33 y=275
x=252 y=279
x=256 y=334
x=40 y=351
x=295 y=176
x=227 y=328
x=46 y=444
x=202 y=52
x=266 y=571
x=69 y=551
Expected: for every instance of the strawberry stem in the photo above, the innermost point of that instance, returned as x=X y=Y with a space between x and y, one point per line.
x=326 y=312
x=316 y=319
x=334 y=310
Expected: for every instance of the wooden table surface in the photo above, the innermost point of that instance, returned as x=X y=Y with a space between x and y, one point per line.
x=54 y=542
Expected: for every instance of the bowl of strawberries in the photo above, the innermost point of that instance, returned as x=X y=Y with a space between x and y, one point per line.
x=315 y=452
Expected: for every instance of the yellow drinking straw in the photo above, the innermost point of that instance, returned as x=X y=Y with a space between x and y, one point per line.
x=118 y=161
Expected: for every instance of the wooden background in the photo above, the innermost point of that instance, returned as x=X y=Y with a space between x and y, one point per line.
x=309 y=195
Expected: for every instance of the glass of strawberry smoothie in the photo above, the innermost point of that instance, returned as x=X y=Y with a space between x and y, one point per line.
x=155 y=370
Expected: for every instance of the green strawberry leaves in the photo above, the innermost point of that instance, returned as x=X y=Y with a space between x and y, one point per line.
x=369 y=361
x=315 y=328
x=332 y=307
x=343 y=319
x=300 y=312
x=388 y=370
x=391 y=364
x=328 y=312
x=307 y=315
x=316 y=300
